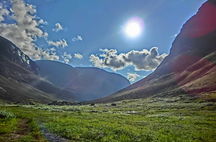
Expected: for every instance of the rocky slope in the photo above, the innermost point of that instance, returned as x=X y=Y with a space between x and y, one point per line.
x=190 y=68
x=19 y=81
x=89 y=83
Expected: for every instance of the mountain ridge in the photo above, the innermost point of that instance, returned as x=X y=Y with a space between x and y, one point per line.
x=89 y=82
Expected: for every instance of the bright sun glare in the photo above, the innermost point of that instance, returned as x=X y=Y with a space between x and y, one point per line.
x=133 y=28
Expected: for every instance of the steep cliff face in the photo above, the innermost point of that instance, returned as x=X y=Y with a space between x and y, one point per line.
x=196 y=40
x=190 y=67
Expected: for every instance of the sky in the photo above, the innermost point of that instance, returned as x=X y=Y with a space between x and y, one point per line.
x=93 y=33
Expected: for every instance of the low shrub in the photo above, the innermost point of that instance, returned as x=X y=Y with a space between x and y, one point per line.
x=6 y=115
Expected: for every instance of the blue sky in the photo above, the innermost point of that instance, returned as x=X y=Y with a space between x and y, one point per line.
x=99 y=24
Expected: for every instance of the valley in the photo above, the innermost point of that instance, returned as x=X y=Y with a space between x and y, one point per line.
x=144 y=120
x=107 y=95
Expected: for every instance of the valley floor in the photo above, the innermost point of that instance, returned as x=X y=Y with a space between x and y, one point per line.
x=143 y=120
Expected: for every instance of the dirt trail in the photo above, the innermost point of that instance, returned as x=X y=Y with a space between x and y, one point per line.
x=22 y=130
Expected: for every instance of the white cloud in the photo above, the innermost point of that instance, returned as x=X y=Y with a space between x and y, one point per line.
x=47 y=54
x=58 y=27
x=3 y=12
x=132 y=76
x=78 y=56
x=67 y=57
x=52 y=49
x=61 y=43
x=141 y=60
x=41 y=21
x=25 y=29
x=77 y=38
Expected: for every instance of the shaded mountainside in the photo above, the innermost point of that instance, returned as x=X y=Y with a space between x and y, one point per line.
x=19 y=81
x=90 y=83
x=10 y=53
x=189 y=69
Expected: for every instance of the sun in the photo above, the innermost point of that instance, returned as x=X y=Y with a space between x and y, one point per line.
x=133 y=28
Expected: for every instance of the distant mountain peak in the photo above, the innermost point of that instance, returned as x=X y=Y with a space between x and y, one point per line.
x=89 y=82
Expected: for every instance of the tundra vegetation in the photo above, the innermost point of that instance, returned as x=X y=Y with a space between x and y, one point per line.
x=142 y=120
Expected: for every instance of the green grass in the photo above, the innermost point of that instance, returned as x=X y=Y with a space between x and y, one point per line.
x=144 y=120
x=18 y=127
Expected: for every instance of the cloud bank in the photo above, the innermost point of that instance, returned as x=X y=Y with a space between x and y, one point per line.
x=25 y=28
x=140 y=60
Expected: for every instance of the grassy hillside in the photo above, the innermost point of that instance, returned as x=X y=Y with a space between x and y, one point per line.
x=143 y=120
x=14 y=91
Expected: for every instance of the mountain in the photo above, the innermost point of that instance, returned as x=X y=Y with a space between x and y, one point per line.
x=189 y=69
x=90 y=83
x=19 y=80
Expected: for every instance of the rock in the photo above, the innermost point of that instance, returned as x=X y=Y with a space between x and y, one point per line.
x=113 y=104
